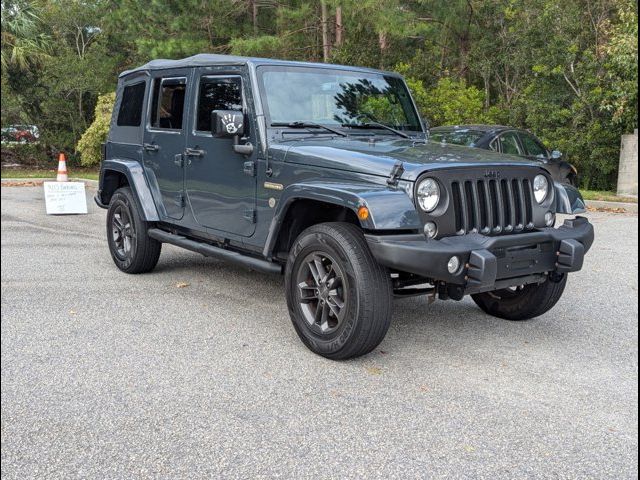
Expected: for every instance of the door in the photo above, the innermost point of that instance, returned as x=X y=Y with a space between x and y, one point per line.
x=220 y=184
x=164 y=139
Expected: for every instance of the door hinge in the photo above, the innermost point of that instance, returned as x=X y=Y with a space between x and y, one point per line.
x=249 y=168
x=250 y=215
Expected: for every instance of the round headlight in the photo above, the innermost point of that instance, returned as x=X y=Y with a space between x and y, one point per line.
x=540 y=188
x=428 y=194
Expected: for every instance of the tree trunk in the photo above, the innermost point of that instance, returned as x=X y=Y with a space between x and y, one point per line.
x=339 y=27
x=382 y=43
x=254 y=15
x=487 y=90
x=326 y=47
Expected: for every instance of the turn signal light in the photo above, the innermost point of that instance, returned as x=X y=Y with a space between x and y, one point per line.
x=363 y=213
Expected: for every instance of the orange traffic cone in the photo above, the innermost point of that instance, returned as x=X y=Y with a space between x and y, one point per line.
x=62 y=169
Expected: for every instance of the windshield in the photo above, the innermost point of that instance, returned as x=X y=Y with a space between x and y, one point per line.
x=468 y=138
x=335 y=97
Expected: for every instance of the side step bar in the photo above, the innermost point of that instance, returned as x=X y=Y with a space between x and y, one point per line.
x=216 y=252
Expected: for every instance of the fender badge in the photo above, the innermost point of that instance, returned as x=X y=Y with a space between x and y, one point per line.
x=272 y=202
x=273 y=186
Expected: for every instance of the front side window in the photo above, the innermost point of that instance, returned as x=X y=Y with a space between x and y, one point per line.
x=532 y=146
x=130 y=113
x=168 y=103
x=217 y=93
x=336 y=97
x=509 y=143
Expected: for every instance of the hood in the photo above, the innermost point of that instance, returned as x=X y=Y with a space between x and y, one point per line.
x=378 y=157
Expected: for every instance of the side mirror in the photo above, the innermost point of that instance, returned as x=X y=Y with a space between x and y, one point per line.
x=227 y=123
x=556 y=154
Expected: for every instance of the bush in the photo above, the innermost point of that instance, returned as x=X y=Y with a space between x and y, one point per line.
x=452 y=102
x=27 y=154
x=96 y=134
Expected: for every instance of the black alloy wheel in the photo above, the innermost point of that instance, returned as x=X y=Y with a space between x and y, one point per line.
x=323 y=292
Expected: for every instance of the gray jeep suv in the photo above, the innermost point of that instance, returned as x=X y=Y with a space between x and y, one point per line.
x=323 y=173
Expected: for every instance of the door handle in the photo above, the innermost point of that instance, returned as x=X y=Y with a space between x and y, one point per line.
x=150 y=147
x=194 y=152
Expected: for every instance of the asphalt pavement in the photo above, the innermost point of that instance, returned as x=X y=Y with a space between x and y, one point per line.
x=194 y=371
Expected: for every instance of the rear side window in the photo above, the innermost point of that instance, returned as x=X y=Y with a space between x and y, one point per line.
x=509 y=144
x=130 y=113
x=217 y=93
x=532 y=146
x=167 y=109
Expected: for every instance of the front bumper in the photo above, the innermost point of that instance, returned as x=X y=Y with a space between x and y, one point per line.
x=487 y=263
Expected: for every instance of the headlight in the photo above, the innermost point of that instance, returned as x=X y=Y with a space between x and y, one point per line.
x=428 y=194
x=540 y=188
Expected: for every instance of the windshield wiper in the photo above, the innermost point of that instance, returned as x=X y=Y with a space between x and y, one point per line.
x=377 y=125
x=308 y=125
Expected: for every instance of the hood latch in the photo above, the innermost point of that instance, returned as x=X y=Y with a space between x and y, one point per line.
x=396 y=173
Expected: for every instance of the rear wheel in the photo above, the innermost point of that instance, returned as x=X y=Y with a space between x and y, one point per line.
x=339 y=297
x=132 y=250
x=522 y=302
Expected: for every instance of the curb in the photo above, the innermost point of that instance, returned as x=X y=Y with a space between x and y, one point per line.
x=90 y=183
x=628 y=207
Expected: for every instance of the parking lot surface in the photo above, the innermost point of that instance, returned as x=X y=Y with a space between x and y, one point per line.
x=195 y=371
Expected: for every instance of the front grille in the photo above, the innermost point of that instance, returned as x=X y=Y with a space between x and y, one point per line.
x=492 y=206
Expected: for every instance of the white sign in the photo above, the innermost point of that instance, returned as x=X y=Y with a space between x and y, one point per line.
x=65 y=197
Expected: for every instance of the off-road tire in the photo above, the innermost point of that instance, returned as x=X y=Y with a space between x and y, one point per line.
x=144 y=251
x=529 y=302
x=367 y=292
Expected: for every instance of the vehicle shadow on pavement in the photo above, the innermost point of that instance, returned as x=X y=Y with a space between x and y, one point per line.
x=416 y=324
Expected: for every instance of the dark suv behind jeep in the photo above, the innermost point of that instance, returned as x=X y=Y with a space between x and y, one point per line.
x=323 y=172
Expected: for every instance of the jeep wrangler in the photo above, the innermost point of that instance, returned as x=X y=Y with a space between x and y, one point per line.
x=324 y=173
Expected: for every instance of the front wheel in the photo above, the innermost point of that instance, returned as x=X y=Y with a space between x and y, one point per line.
x=132 y=250
x=339 y=297
x=522 y=302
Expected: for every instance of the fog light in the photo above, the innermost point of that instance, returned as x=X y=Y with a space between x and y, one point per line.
x=453 y=264
x=430 y=229
x=549 y=219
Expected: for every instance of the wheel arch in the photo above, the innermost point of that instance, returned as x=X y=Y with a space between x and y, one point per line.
x=303 y=205
x=115 y=174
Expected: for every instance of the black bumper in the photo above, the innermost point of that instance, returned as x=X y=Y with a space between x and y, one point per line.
x=487 y=262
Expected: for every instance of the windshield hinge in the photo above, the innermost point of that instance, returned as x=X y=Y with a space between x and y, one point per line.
x=396 y=173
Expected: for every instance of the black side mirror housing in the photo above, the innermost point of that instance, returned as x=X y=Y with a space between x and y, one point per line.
x=227 y=123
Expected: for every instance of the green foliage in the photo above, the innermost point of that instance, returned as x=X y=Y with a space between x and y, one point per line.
x=451 y=101
x=566 y=70
x=96 y=134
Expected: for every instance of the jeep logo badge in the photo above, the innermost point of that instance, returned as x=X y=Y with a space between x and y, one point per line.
x=492 y=174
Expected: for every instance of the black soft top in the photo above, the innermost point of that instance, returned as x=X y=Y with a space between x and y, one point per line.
x=207 y=59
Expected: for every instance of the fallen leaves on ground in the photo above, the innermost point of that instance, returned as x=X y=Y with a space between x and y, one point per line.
x=25 y=183
x=374 y=370
x=607 y=209
x=182 y=284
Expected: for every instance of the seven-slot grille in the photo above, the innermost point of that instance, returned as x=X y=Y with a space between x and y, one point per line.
x=492 y=205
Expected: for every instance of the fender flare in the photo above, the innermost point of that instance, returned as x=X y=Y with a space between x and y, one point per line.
x=568 y=199
x=389 y=208
x=134 y=173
